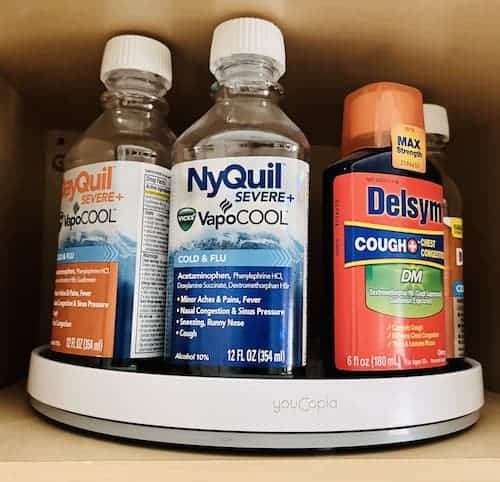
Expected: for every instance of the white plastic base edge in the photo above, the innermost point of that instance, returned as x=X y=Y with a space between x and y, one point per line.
x=256 y=413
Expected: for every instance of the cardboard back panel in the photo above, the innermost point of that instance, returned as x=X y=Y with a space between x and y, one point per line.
x=21 y=188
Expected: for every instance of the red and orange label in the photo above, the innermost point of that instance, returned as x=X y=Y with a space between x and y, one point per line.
x=454 y=287
x=388 y=273
x=83 y=317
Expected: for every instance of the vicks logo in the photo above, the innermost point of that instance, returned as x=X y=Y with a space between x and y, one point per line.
x=186 y=217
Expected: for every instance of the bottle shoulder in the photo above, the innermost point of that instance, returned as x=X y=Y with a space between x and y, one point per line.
x=380 y=162
x=241 y=129
x=100 y=141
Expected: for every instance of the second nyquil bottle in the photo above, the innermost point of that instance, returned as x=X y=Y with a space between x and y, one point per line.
x=239 y=219
x=109 y=299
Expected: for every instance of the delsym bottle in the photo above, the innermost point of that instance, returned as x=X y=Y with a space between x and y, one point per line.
x=239 y=230
x=386 y=231
x=109 y=302
x=438 y=136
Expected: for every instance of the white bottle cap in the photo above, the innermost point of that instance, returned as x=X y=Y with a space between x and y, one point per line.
x=134 y=52
x=436 y=120
x=247 y=36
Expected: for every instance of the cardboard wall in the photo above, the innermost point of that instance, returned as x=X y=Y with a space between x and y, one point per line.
x=52 y=51
x=21 y=188
x=474 y=163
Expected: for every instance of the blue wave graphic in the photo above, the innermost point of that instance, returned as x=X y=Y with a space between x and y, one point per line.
x=116 y=242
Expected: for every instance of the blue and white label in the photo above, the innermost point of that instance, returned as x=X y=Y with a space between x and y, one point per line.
x=369 y=244
x=116 y=212
x=458 y=289
x=237 y=257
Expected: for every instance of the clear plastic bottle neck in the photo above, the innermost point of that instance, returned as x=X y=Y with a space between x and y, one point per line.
x=136 y=90
x=247 y=75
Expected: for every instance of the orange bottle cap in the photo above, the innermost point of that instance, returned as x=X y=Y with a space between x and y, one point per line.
x=371 y=111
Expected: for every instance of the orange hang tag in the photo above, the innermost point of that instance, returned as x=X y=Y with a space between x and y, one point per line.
x=409 y=150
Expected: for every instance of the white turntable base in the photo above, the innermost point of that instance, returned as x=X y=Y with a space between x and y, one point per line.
x=256 y=413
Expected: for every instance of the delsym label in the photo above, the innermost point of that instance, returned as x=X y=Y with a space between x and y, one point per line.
x=454 y=287
x=388 y=273
x=237 y=256
x=109 y=298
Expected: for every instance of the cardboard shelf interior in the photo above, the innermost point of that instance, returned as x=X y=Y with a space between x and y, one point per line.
x=50 y=51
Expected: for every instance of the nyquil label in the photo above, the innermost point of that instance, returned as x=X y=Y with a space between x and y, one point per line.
x=238 y=244
x=235 y=176
x=109 y=298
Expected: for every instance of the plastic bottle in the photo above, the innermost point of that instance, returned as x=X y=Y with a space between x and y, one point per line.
x=109 y=303
x=385 y=249
x=238 y=237
x=438 y=136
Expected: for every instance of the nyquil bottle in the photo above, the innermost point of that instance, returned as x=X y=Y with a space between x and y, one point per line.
x=109 y=303
x=238 y=236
